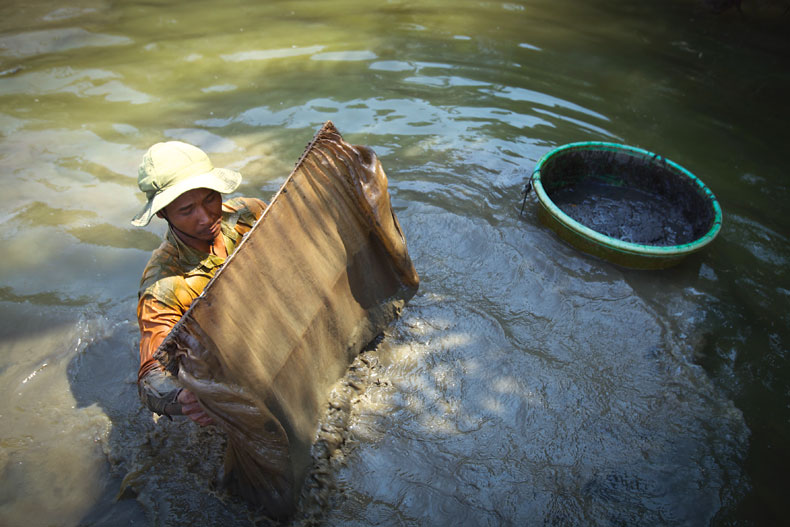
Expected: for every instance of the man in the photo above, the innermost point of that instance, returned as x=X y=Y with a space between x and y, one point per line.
x=184 y=189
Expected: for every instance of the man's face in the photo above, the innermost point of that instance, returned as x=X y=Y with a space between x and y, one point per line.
x=197 y=213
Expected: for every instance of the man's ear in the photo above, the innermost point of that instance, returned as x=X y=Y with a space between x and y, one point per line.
x=161 y=214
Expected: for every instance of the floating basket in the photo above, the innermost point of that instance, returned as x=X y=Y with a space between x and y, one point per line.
x=624 y=204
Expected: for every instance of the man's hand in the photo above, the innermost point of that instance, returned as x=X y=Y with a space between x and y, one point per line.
x=192 y=409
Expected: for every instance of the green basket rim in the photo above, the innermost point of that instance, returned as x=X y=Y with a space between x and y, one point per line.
x=614 y=243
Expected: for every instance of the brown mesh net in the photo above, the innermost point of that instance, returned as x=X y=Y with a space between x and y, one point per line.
x=321 y=274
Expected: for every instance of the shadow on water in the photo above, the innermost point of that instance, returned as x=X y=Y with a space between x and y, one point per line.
x=745 y=352
x=494 y=447
x=517 y=391
x=738 y=335
x=160 y=472
x=100 y=375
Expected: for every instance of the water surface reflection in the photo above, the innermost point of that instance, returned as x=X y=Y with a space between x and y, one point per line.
x=526 y=382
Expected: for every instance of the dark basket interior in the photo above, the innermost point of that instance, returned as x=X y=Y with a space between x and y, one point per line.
x=629 y=196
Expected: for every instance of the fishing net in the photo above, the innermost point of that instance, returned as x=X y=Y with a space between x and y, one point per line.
x=321 y=274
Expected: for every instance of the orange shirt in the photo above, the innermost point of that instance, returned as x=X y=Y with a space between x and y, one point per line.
x=176 y=274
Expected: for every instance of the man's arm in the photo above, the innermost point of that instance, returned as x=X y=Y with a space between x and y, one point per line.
x=156 y=319
x=156 y=388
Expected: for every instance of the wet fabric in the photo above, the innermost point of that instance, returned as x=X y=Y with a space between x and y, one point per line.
x=320 y=275
x=177 y=273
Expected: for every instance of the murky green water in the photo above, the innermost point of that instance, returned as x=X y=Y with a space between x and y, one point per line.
x=526 y=383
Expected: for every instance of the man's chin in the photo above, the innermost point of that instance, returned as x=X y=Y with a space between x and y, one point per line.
x=209 y=234
x=203 y=236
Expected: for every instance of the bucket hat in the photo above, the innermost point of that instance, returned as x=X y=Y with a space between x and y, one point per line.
x=171 y=168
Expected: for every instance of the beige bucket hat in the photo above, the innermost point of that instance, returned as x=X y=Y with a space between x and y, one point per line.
x=169 y=169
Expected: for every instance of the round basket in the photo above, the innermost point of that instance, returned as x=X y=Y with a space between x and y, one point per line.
x=624 y=204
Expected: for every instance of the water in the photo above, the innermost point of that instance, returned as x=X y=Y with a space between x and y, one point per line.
x=627 y=214
x=527 y=383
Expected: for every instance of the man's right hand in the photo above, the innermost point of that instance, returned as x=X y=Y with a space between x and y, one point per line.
x=159 y=393
x=192 y=409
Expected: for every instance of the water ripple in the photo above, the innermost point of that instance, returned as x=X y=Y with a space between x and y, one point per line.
x=91 y=82
x=269 y=54
x=30 y=43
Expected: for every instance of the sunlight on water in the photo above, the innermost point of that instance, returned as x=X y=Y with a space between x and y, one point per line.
x=526 y=383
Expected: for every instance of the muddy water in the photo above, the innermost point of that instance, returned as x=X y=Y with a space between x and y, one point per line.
x=627 y=214
x=526 y=383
